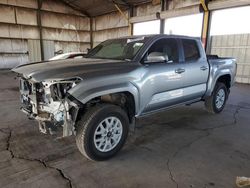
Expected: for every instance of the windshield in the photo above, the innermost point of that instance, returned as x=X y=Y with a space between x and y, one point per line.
x=120 y=49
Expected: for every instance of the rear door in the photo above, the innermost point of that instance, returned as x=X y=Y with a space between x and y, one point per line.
x=196 y=69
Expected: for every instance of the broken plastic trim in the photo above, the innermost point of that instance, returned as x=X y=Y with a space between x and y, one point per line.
x=74 y=100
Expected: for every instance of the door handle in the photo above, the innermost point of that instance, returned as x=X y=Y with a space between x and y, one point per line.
x=203 y=68
x=179 y=70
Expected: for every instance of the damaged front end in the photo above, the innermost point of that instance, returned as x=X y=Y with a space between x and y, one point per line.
x=49 y=103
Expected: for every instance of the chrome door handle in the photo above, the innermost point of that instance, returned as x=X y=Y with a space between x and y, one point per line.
x=203 y=68
x=179 y=71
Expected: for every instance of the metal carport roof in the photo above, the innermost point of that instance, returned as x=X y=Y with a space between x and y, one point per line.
x=93 y=8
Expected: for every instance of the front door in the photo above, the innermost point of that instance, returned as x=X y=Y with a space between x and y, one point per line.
x=163 y=82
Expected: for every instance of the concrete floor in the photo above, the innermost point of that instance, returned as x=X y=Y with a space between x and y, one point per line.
x=184 y=147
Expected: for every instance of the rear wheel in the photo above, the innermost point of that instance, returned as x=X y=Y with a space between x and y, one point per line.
x=216 y=102
x=102 y=131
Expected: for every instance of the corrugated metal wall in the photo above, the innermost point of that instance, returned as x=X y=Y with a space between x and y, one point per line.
x=109 y=26
x=237 y=46
x=49 y=49
x=34 y=49
x=114 y=25
x=13 y=52
x=63 y=27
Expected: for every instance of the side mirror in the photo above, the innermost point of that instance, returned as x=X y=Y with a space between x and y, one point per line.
x=155 y=57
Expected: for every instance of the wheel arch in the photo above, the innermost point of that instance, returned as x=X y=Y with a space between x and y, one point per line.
x=226 y=79
x=112 y=94
x=223 y=78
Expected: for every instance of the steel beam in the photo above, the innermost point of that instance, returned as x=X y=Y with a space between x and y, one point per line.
x=39 y=24
x=91 y=33
x=71 y=5
x=205 y=23
x=131 y=14
x=162 y=21
x=81 y=14
x=125 y=17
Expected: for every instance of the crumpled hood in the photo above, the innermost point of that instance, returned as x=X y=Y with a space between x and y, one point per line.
x=69 y=68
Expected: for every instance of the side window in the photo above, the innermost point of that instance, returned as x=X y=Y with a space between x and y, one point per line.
x=191 y=50
x=165 y=47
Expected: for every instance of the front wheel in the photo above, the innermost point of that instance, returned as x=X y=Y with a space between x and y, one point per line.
x=102 y=131
x=216 y=102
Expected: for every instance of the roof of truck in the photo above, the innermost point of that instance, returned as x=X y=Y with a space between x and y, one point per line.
x=158 y=36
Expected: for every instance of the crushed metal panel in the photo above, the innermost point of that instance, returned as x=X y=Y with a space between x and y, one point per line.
x=34 y=50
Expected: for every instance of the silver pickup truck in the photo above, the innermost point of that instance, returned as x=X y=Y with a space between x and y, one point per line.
x=97 y=98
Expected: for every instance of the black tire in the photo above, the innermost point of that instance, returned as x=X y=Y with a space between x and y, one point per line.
x=88 y=124
x=210 y=102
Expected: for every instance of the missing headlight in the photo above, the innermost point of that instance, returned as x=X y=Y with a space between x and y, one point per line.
x=59 y=90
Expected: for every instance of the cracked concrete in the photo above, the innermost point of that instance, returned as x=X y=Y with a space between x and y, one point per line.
x=8 y=144
x=180 y=149
x=183 y=147
x=207 y=131
x=170 y=174
x=42 y=162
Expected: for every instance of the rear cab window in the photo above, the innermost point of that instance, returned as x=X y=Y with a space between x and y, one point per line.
x=191 y=50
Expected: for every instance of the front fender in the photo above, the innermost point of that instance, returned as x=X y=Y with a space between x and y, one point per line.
x=85 y=95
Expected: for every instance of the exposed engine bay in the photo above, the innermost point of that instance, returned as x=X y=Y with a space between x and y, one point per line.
x=50 y=104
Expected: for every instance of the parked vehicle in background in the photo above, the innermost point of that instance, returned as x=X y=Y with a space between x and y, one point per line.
x=69 y=55
x=98 y=97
